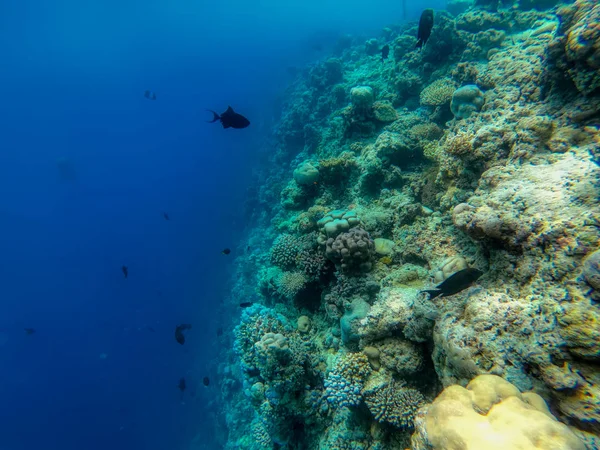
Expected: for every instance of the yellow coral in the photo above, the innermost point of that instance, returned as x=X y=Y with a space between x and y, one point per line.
x=459 y=144
x=491 y=414
x=438 y=93
x=426 y=132
x=384 y=111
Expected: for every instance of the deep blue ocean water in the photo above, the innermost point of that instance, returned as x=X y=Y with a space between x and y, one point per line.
x=72 y=78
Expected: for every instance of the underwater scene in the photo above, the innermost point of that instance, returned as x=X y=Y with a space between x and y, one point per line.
x=300 y=225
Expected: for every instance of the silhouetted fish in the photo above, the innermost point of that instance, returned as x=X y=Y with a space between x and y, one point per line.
x=455 y=283
x=219 y=331
x=179 y=329
x=166 y=216
x=205 y=381
x=226 y=251
x=246 y=304
x=125 y=271
x=385 y=52
x=181 y=385
x=150 y=95
x=425 y=26
x=29 y=331
x=230 y=119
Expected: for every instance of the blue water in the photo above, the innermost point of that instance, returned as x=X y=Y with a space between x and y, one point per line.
x=72 y=78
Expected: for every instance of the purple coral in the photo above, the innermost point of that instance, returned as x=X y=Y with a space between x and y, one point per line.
x=353 y=250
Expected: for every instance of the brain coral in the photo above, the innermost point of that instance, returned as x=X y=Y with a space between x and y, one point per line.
x=352 y=250
x=467 y=100
x=438 y=93
x=490 y=414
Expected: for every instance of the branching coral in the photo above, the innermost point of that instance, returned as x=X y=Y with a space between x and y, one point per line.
x=344 y=383
x=438 y=93
x=393 y=403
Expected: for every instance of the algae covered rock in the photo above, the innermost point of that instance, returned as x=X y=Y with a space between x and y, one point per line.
x=591 y=270
x=466 y=100
x=490 y=413
x=362 y=97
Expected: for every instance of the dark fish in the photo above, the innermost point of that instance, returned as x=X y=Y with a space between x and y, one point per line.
x=150 y=95
x=205 y=381
x=179 y=329
x=166 y=216
x=226 y=251
x=425 y=26
x=385 y=52
x=246 y=304
x=181 y=385
x=29 y=331
x=248 y=248
x=151 y=329
x=230 y=119
x=219 y=332
x=125 y=271
x=455 y=283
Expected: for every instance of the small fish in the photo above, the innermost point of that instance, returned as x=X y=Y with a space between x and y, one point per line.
x=455 y=283
x=151 y=329
x=179 y=329
x=385 y=52
x=125 y=271
x=150 y=95
x=425 y=26
x=246 y=304
x=230 y=119
x=29 y=331
x=181 y=385
x=205 y=381
x=219 y=332
x=166 y=216
x=226 y=251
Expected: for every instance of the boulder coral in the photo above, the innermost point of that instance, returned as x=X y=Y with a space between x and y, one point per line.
x=490 y=413
x=466 y=100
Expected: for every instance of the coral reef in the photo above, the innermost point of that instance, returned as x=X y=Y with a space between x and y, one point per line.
x=482 y=150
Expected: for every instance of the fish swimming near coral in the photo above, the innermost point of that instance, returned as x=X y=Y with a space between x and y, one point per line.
x=385 y=52
x=425 y=26
x=455 y=283
x=125 y=271
x=226 y=251
x=150 y=95
x=179 y=329
x=205 y=381
x=246 y=304
x=230 y=119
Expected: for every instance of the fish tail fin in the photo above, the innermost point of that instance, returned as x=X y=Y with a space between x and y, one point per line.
x=433 y=293
x=215 y=118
